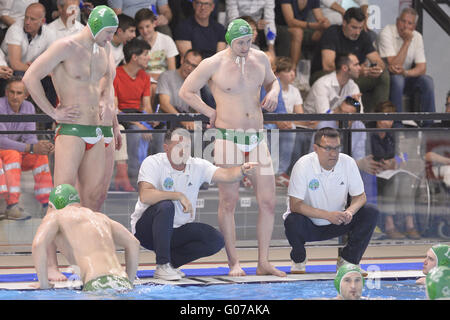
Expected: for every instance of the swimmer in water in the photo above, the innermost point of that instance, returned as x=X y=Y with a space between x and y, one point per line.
x=235 y=76
x=438 y=283
x=437 y=255
x=83 y=70
x=349 y=282
x=87 y=239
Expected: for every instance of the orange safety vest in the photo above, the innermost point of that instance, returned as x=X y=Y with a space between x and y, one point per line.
x=14 y=162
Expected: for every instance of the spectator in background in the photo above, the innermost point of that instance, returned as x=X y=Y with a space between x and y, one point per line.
x=292 y=16
x=22 y=152
x=373 y=80
x=125 y=32
x=263 y=13
x=67 y=22
x=395 y=194
x=403 y=49
x=200 y=31
x=10 y=12
x=293 y=102
x=160 y=8
x=330 y=90
x=132 y=94
x=170 y=83
x=334 y=12
x=5 y=73
x=163 y=49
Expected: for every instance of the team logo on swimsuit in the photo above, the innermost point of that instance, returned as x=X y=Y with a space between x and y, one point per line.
x=98 y=132
x=168 y=183
x=253 y=139
x=314 y=184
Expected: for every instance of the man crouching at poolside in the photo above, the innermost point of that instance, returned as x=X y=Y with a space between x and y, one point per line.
x=87 y=239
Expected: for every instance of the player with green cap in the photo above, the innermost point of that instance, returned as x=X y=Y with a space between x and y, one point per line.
x=437 y=255
x=100 y=18
x=438 y=283
x=239 y=29
x=63 y=195
x=349 y=282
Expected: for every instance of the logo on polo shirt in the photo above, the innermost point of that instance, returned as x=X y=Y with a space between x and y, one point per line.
x=168 y=183
x=314 y=184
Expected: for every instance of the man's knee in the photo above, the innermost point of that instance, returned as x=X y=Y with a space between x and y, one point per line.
x=11 y=156
x=165 y=206
x=369 y=213
x=426 y=83
x=296 y=34
x=397 y=82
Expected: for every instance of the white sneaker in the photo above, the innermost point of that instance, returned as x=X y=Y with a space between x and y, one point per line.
x=181 y=273
x=166 y=272
x=341 y=261
x=299 y=268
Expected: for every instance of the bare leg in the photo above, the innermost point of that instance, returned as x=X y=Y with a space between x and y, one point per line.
x=264 y=185
x=91 y=175
x=109 y=168
x=228 y=196
x=296 y=44
x=69 y=151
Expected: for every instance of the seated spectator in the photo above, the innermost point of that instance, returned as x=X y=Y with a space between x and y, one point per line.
x=5 y=73
x=293 y=102
x=437 y=256
x=124 y=33
x=132 y=94
x=292 y=15
x=164 y=216
x=263 y=13
x=396 y=194
x=25 y=40
x=169 y=84
x=320 y=185
x=163 y=49
x=330 y=90
x=22 y=152
x=67 y=22
x=403 y=49
x=334 y=12
x=159 y=7
x=10 y=12
x=200 y=31
x=373 y=80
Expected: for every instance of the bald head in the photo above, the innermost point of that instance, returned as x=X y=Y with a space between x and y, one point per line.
x=34 y=18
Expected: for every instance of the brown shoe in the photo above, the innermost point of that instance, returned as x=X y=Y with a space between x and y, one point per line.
x=394 y=234
x=16 y=213
x=413 y=234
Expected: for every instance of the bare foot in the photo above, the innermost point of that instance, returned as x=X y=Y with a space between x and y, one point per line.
x=267 y=269
x=236 y=271
x=56 y=275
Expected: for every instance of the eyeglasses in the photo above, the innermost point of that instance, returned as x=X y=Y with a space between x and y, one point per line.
x=329 y=148
x=203 y=4
x=193 y=66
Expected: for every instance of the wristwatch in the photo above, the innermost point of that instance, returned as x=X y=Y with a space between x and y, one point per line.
x=31 y=148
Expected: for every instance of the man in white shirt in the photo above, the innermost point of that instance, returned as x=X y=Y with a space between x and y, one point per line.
x=67 y=22
x=27 y=38
x=403 y=49
x=330 y=90
x=318 y=190
x=163 y=219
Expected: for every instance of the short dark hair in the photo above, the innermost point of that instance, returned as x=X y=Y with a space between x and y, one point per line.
x=194 y=52
x=341 y=59
x=283 y=64
x=125 y=22
x=144 y=14
x=134 y=46
x=325 y=132
x=13 y=79
x=170 y=132
x=385 y=107
x=354 y=13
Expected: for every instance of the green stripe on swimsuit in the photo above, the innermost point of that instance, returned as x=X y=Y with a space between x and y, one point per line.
x=245 y=140
x=109 y=281
x=79 y=130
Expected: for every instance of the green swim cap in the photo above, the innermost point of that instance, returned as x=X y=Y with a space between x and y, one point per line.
x=237 y=29
x=343 y=270
x=63 y=195
x=102 y=17
x=442 y=252
x=438 y=283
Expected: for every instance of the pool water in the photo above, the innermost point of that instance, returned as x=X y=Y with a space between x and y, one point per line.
x=384 y=289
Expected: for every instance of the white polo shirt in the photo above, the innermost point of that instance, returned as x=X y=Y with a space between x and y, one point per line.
x=30 y=50
x=322 y=189
x=326 y=94
x=390 y=44
x=59 y=30
x=158 y=171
